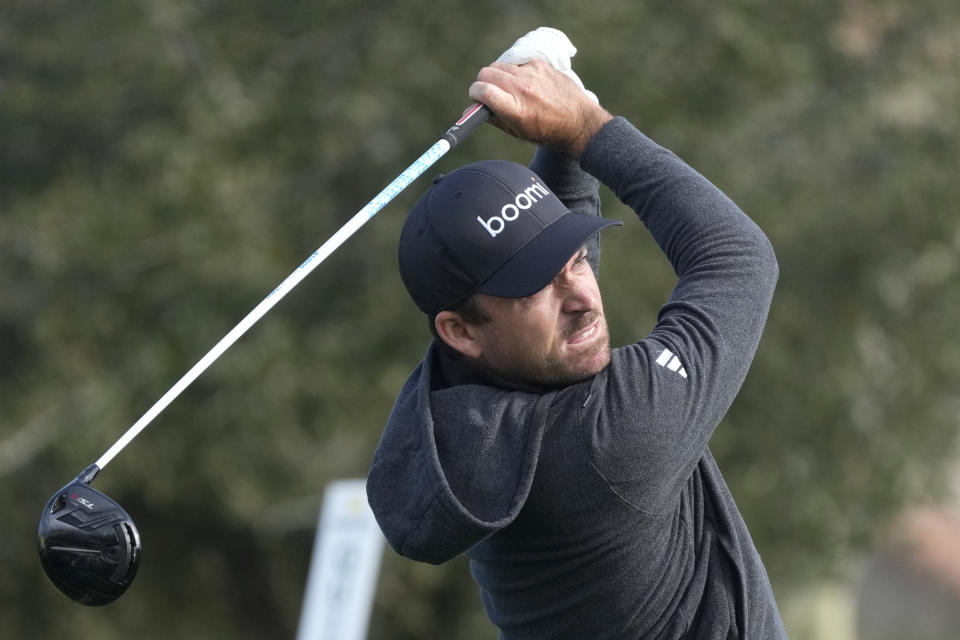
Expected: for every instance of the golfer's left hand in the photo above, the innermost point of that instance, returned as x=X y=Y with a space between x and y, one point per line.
x=551 y=45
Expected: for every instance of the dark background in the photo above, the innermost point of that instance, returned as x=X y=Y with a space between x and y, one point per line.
x=164 y=165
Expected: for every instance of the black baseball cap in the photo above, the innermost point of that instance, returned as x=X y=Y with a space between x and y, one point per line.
x=491 y=227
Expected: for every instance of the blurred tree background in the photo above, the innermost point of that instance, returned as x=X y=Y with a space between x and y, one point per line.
x=163 y=165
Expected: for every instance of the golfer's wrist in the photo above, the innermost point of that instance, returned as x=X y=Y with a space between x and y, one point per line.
x=592 y=120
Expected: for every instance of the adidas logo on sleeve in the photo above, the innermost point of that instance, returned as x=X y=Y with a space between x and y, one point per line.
x=671 y=362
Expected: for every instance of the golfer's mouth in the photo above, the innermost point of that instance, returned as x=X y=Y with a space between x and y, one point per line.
x=585 y=334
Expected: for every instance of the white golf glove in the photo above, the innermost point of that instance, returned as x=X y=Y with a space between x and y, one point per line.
x=551 y=45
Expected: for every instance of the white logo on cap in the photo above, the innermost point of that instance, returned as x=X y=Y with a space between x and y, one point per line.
x=511 y=211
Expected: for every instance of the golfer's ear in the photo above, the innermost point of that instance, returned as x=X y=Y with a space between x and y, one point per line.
x=458 y=333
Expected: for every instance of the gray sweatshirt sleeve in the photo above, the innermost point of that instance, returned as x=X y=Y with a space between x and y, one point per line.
x=666 y=393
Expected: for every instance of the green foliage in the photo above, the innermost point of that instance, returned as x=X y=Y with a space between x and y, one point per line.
x=164 y=165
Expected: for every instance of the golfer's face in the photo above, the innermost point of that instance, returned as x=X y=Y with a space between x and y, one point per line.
x=556 y=336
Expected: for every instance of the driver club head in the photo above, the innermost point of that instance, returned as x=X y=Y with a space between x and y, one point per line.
x=89 y=546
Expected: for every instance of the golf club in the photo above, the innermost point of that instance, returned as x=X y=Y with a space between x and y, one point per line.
x=89 y=546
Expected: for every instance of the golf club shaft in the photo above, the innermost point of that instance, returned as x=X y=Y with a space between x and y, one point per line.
x=471 y=119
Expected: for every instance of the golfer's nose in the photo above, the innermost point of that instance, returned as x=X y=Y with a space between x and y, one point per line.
x=579 y=290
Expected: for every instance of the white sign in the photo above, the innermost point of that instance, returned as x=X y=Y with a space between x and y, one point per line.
x=343 y=568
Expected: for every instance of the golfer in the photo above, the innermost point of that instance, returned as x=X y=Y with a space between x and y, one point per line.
x=577 y=479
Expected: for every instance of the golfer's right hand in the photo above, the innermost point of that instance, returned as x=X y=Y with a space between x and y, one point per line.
x=536 y=102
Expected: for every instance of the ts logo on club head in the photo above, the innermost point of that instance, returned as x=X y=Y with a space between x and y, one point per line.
x=83 y=501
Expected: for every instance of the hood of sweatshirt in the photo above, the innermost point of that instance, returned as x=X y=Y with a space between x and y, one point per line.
x=455 y=464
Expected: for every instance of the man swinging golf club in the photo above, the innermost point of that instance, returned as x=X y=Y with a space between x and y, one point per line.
x=576 y=478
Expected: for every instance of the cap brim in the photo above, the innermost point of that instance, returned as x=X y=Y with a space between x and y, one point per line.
x=541 y=259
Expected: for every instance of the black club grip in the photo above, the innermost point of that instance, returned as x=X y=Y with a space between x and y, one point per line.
x=476 y=116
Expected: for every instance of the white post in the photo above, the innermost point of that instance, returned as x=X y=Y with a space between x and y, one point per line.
x=344 y=566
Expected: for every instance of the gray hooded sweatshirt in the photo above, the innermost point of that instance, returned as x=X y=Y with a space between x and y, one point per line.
x=596 y=511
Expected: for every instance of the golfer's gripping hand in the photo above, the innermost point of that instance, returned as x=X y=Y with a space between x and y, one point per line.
x=536 y=102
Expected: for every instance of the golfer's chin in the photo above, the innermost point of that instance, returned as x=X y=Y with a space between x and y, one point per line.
x=595 y=364
x=585 y=360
